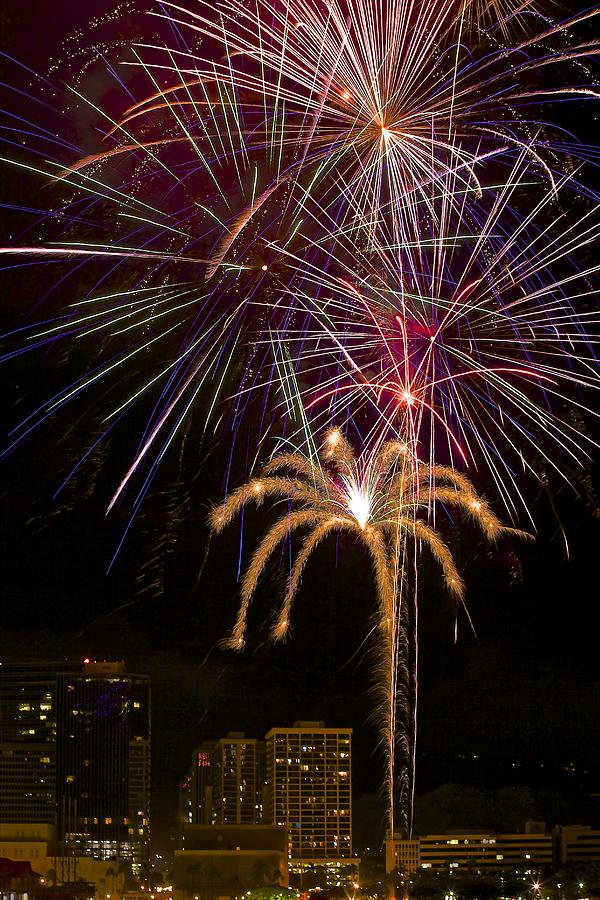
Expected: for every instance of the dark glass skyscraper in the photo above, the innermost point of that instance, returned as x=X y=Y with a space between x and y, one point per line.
x=75 y=751
x=28 y=697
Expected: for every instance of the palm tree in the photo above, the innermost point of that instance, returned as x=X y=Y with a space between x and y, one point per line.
x=387 y=499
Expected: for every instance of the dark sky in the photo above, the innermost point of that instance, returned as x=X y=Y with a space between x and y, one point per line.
x=528 y=687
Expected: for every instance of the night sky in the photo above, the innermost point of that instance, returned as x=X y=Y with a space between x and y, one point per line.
x=525 y=690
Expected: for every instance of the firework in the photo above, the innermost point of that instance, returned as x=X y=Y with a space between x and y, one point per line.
x=503 y=16
x=385 y=500
x=368 y=106
x=284 y=119
x=478 y=348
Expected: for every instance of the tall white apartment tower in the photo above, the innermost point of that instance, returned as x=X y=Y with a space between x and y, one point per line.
x=309 y=790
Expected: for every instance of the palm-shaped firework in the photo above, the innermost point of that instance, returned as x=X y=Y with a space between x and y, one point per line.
x=385 y=499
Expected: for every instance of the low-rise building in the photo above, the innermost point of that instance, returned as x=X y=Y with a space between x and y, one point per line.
x=222 y=860
x=470 y=850
x=578 y=844
x=36 y=846
x=535 y=848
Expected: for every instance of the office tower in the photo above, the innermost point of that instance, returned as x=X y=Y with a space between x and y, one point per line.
x=79 y=737
x=28 y=741
x=309 y=784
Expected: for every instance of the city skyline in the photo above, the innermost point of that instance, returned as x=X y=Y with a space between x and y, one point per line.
x=298 y=782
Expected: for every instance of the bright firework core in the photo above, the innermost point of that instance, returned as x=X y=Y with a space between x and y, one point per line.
x=359 y=504
x=333 y=439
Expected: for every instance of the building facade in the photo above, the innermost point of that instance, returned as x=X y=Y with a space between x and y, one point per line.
x=217 y=862
x=28 y=725
x=38 y=846
x=578 y=844
x=195 y=790
x=489 y=852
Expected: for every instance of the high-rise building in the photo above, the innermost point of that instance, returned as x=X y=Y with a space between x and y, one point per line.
x=309 y=790
x=234 y=780
x=75 y=752
x=28 y=783
x=223 y=785
x=199 y=787
x=28 y=705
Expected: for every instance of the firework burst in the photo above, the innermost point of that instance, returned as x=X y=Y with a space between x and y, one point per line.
x=477 y=344
x=272 y=122
x=368 y=105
